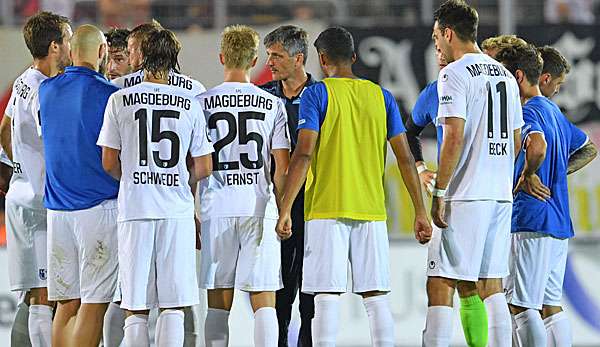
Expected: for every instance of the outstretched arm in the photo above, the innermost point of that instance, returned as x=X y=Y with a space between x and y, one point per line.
x=582 y=157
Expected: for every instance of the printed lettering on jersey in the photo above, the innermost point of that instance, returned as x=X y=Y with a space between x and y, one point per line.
x=246 y=124
x=190 y=86
x=445 y=99
x=155 y=127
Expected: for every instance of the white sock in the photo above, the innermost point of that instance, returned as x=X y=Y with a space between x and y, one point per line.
x=558 y=330
x=136 y=331
x=169 y=329
x=530 y=328
x=40 y=325
x=266 y=328
x=381 y=321
x=325 y=321
x=515 y=339
x=19 y=331
x=499 y=321
x=114 y=320
x=216 y=328
x=438 y=326
x=190 y=324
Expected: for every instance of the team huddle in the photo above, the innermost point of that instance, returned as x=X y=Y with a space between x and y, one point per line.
x=110 y=146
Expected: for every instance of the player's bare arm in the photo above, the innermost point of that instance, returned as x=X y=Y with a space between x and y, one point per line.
x=202 y=168
x=299 y=165
x=582 y=157
x=535 y=146
x=406 y=165
x=450 y=151
x=111 y=162
x=282 y=161
x=413 y=136
x=517 y=137
x=5 y=136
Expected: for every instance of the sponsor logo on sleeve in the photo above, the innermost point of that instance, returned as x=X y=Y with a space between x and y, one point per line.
x=445 y=100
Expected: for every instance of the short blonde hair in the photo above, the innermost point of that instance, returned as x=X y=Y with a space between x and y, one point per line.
x=503 y=41
x=239 y=46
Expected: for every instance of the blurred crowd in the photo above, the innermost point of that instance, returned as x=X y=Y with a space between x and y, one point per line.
x=201 y=14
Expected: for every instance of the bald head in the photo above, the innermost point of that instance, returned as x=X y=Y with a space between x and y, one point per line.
x=88 y=47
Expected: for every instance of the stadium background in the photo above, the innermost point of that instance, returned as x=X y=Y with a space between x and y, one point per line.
x=393 y=42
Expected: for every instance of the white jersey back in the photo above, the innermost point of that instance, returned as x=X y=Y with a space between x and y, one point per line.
x=185 y=84
x=28 y=179
x=485 y=94
x=154 y=126
x=245 y=124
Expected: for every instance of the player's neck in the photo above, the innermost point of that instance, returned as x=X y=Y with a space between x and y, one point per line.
x=340 y=71
x=465 y=48
x=293 y=85
x=158 y=79
x=46 y=67
x=237 y=75
x=530 y=92
x=85 y=64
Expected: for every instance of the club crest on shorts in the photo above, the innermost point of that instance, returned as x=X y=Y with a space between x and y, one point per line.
x=42 y=274
x=432 y=264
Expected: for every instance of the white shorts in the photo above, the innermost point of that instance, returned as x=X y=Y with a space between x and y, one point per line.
x=242 y=253
x=157 y=263
x=26 y=244
x=328 y=246
x=82 y=253
x=537 y=270
x=476 y=243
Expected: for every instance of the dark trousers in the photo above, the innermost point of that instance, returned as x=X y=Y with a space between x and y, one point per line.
x=292 y=254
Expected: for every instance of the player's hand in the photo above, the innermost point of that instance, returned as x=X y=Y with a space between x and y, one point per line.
x=422 y=229
x=438 y=212
x=427 y=179
x=198 y=233
x=284 y=226
x=533 y=186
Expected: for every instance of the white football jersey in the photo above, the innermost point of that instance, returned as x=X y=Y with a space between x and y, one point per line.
x=154 y=126
x=28 y=179
x=185 y=84
x=245 y=124
x=481 y=91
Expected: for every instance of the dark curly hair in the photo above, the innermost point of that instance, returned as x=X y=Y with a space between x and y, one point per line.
x=460 y=17
x=41 y=30
x=525 y=58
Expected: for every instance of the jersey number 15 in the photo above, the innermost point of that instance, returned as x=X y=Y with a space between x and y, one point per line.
x=157 y=136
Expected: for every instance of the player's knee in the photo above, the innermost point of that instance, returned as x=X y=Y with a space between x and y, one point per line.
x=372 y=294
x=440 y=291
x=548 y=311
x=259 y=300
x=515 y=310
x=38 y=296
x=488 y=287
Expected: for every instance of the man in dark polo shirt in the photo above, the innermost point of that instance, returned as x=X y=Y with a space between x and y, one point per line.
x=287 y=52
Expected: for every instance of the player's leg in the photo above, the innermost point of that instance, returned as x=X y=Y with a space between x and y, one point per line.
x=63 y=275
x=19 y=330
x=114 y=321
x=326 y=249
x=176 y=280
x=455 y=253
x=26 y=241
x=494 y=267
x=258 y=272
x=529 y=272
x=306 y=302
x=556 y=322
x=369 y=258
x=219 y=254
x=96 y=231
x=285 y=296
x=137 y=276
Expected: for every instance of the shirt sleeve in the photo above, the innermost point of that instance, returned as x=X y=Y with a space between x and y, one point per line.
x=395 y=126
x=313 y=106
x=419 y=114
x=281 y=137
x=201 y=143
x=10 y=107
x=531 y=124
x=578 y=139
x=109 y=134
x=452 y=96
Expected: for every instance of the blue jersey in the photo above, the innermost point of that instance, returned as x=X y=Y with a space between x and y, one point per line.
x=563 y=139
x=71 y=114
x=426 y=108
x=316 y=97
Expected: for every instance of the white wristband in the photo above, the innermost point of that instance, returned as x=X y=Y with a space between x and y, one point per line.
x=421 y=168
x=438 y=193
